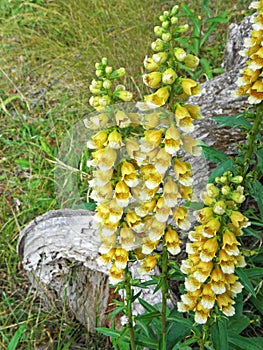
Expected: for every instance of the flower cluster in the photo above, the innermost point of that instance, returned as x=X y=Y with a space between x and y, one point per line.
x=139 y=184
x=164 y=72
x=250 y=83
x=103 y=90
x=214 y=251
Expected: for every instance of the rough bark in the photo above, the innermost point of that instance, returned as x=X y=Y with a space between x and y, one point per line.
x=59 y=249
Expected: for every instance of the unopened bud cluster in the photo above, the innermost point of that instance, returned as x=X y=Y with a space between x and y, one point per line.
x=164 y=70
x=213 y=253
x=104 y=91
x=250 y=83
x=139 y=184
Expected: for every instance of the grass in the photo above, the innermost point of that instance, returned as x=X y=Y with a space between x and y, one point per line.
x=48 y=50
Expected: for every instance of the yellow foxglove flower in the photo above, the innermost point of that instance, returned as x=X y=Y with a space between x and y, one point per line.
x=102 y=212
x=149 y=246
x=211 y=227
x=201 y=314
x=123 y=95
x=169 y=76
x=191 y=298
x=233 y=285
x=148 y=264
x=204 y=215
x=170 y=193
x=152 y=178
x=155 y=229
x=180 y=54
x=238 y=219
x=132 y=146
x=181 y=218
x=212 y=190
x=122 y=119
x=226 y=262
x=134 y=222
x=172 y=140
x=191 y=61
x=225 y=304
x=256 y=92
x=122 y=194
x=218 y=281
x=150 y=64
x=127 y=238
x=162 y=211
x=186 y=192
x=202 y=271
x=230 y=243
x=209 y=249
x=100 y=194
x=108 y=228
x=115 y=274
x=220 y=207
x=151 y=120
x=172 y=241
x=208 y=297
x=105 y=259
x=142 y=193
x=160 y=57
x=190 y=87
x=115 y=140
x=107 y=159
x=153 y=79
x=162 y=161
x=183 y=172
x=129 y=174
x=192 y=284
x=153 y=137
x=158 y=45
x=97 y=122
x=144 y=208
x=115 y=211
x=98 y=140
x=101 y=178
x=121 y=257
x=159 y=97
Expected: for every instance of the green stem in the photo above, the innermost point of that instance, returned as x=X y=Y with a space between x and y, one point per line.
x=252 y=138
x=203 y=336
x=128 y=290
x=164 y=295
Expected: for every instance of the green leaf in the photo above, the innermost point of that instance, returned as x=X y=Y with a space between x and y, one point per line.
x=239 y=342
x=258 y=195
x=218 y=19
x=219 y=334
x=207 y=33
x=213 y=154
x=146 y=341
x=258 y=302
x=178 y=328
x=115 y=312
x=147 y=306
x=254 y=272
x=234 y=121
x=45 y=148
x=237 y=324
x=207 y=67
x=244 y=279
x=108 y=332
x=249 y=231
x=16 y=337
x=220 y=169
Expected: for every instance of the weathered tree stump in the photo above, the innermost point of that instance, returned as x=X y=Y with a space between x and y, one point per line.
x=59 y=249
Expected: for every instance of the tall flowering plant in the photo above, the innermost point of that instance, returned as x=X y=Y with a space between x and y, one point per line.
x=141 y=181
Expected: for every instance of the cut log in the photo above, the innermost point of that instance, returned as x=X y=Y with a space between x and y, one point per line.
x=59 y=249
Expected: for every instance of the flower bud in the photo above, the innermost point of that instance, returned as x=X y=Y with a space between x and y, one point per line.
x=104 y=61
x=160 y=57
x=212 y=190
x=182 y=29
x=158 y=31
x=179 y=54
x=118 y=73
x=166 y=37
x=174 y=10
x=152 y=79
x=174 y=20
x=99 y=72
x=123 y=95
x=94 y=90
x=169 y=76
x=237 y=179
x=220 y=207
x=107 y=84
x=150 y=64
x=104 y=101
x=191 y=61
x=108 y=70
x=157 y=45
x=166 y=24
x=226 y=190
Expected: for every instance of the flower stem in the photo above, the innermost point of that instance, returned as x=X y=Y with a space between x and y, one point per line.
x=252 y=138
x=128 y=290
x=164 y=295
